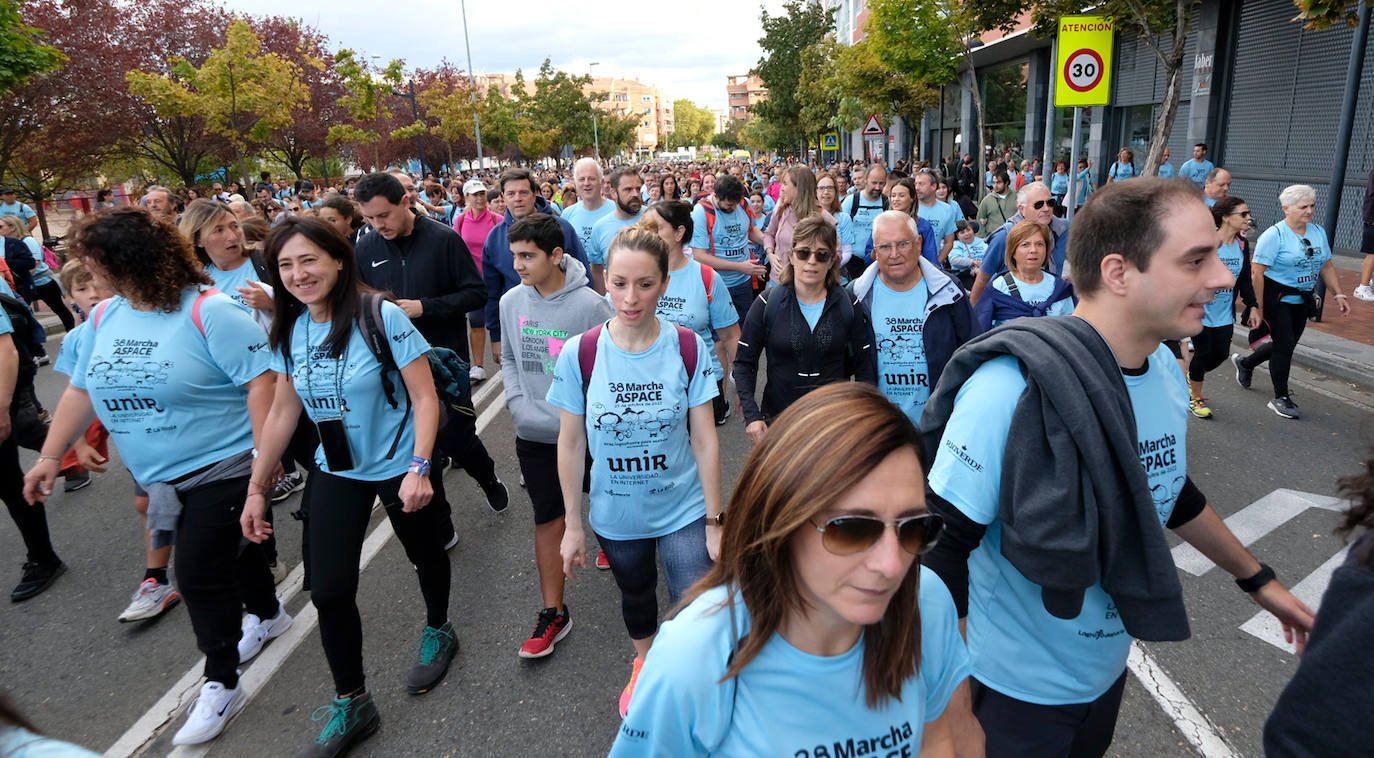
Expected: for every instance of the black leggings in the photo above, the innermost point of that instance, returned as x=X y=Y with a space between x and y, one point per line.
x=340 y=509
x=1211 y=347
x=1014 y=728
x=32 y=520
x=220 y=573
x=51 y=293
x=1286 y=322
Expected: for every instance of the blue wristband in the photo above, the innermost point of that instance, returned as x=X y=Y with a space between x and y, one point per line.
x=419 y=466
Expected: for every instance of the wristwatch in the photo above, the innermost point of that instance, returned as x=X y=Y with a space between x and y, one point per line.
x=716 y=520
x=1253 y=583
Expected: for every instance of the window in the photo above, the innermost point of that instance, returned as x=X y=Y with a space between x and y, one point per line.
x=646 y=98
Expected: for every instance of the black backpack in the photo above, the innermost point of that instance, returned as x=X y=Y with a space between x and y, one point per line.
x=26 y=331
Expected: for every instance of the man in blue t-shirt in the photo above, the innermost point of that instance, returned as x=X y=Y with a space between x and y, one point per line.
x=590 y=208
x=1166 y=169
x=1049 y=659
x=721 y=232
x=1195 y=169
x=10 y=206
x=940 y=216
x=865 y=204
x=1215 y=186
x=629 y=206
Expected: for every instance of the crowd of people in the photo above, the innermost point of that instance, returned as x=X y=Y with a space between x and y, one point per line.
x=925 y=357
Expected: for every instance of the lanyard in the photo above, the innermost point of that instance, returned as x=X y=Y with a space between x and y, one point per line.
x=308 y=372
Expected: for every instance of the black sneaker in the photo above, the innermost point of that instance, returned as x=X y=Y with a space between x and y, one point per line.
x=498 y=497
x=351 y=720
x=723 y=417
x=1243 y=374
x=287 y=486
x=36 y=578
x=437 y=648
x=1285 y=407
x=76 y=482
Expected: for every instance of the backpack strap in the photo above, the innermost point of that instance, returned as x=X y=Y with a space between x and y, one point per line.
x=99 y=311
x=195 y=309
x=586 y=357
x=710 y=210
x=1012 y=289
x=687 y=348
x=708 y=277
x=374 y=336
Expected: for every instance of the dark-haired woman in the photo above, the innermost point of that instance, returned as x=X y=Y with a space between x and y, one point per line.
x=634 y=398
x=696 y=298
x=669 y=187
x=180 y=377
x=817 y=626
x=1213 y=344
x=341 y=214
x=811 y=331
x=370 y=449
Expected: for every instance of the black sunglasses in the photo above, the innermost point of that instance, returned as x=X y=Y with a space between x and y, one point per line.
x=1042 y=203
x=1307 y=247
x=806 y=254
x=847 y=535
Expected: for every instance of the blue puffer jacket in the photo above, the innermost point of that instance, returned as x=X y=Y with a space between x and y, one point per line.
x=498 y=266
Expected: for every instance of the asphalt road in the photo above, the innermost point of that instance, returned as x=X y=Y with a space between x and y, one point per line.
x=86 y=678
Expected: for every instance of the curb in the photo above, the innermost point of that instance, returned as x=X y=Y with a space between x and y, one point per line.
x=1341 y=358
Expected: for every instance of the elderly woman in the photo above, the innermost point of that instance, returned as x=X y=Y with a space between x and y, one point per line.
x=1027 y=288
x=817 y=623
x=1289 y=257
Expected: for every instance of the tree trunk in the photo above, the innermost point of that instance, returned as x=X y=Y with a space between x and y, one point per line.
x=1173 y=74
x=976 y=149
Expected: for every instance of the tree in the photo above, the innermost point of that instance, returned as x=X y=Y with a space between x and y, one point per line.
x=1323 y=14
x=560 y=111
x=244 y=94
x=784 y=37
x=692 y=125
x=307 y=135
x=22 y=52
x=448 y=104
x=365 y=103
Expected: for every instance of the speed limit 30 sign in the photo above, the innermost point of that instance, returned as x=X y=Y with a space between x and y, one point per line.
x=1083 y=70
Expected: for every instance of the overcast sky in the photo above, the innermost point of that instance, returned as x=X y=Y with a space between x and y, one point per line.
x=686 y=49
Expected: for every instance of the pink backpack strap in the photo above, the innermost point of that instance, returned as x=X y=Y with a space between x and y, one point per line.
x=97 y=312
x=195 y=310
x=586 y=354
x=687 y=348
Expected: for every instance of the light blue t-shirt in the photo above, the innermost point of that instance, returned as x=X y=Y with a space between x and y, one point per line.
x=644 y=477
x=1017 y=647
x=583 y=220
x=41 y=273
x=7 y=327
x=844 y=231
x=71 y=348
x=1085 y=185
x=603 y=231
x=899 y=327
x=369 y=420
x=941 y=218
x=1209 y=201
x=173 y=398
x=867 y=210
x=22 y=210
x=1166 y=171
x=973 y=251
x=1035 y=294
x=1121 y=171
x=1222 y=311
x=811 y=312
x=1059 y=185
x=229 y=282
x=685 y=304
x=1196 y=170
x=1281 y=249
x=785 y=701
x=731 y=234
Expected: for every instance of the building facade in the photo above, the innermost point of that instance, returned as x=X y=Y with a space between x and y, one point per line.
x=626 y=96
x=743 y=91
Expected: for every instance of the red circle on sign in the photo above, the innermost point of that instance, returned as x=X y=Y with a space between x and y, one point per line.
x=1097 y=78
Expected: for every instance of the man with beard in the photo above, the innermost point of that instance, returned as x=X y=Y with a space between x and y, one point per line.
x=629 y=206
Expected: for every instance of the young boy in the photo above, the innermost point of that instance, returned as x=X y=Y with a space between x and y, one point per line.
x=155 y=594
x=552 y=304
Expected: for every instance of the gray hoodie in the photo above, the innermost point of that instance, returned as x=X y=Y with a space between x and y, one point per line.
x=534 y=329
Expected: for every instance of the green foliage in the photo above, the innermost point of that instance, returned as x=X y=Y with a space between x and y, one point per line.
x=692 y=125
x=22 y=52
x=1323 y=14
x=867 y=81
x=784 y=38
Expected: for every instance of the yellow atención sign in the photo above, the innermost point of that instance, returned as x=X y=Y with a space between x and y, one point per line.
x=1083 y=71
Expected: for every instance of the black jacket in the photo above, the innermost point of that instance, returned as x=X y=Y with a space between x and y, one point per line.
x=800 y=359
x=431 y=265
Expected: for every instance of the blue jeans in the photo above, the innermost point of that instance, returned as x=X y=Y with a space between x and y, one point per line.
x=742 y=295
x=632 y=564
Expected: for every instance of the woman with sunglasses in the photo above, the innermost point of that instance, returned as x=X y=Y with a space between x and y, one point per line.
x=1289 y=256
x=810 y=329
x=1213 y=343
x=818 y=626
x=797 y=200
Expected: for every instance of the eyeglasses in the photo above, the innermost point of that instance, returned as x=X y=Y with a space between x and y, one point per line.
x=1242 y=214
x=806 y=254
x=825 y=187
x=1307 y=247
x=887 y=247
x=847 y=535
x=1042 y=203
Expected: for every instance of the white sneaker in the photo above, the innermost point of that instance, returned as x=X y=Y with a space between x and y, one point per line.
x=1364 y=292
x=209 y=713
x=150 y=601
x=257 y=632
x=477 y=373
x=279 y=571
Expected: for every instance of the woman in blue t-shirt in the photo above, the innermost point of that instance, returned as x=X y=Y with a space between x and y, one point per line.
x=1124 y=168
x=328 y=369
x=818 y=626
x=1289 y=256
x=687 y=301
x=1027 y=288
x=181 y=378
x=639 y=397
x=1213 y=343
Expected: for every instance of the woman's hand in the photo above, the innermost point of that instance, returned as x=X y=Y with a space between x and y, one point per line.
x=1256 y=318
x=573 y=549
x=89 y=457
x=38 y=482
x=415 y=492
x=713 y=532
x=1343 y=303
x=253 y=521
x=255 y=296
x=755 y=431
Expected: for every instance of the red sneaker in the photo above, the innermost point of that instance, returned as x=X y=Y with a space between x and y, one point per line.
x=602 y=562
x=551 y=628
x=629 y=691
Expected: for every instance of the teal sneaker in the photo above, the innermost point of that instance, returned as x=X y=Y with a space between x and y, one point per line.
x=350 y=721
x=437 y=648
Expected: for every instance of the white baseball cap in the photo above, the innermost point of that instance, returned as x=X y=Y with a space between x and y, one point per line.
x=473 y=186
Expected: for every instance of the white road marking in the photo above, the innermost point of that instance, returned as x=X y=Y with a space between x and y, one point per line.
x=1309 y=590
x=172 y=705
x=1195 y=727
x=1256 y=520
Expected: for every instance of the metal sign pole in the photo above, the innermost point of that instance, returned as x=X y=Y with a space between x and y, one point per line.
x=1073 y=161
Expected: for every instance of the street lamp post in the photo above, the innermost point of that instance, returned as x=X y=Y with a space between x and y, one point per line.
x=596 y=139
x=415 y=114
x=472 y=77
